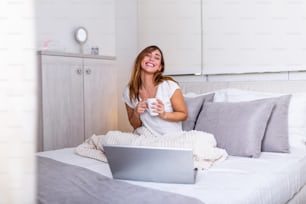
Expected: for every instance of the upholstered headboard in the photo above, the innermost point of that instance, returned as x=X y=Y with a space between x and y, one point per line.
x=284 y=86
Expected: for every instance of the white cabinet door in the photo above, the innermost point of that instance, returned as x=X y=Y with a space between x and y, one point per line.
x=62 y=102
x=100 y=97
x=79 y=99
x=174 y=26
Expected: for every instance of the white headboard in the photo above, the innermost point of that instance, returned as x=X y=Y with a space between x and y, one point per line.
x=284 y=86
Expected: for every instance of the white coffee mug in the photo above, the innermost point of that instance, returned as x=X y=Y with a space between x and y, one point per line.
x=149 y=103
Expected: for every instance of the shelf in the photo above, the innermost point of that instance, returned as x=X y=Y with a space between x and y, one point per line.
x=67 y=54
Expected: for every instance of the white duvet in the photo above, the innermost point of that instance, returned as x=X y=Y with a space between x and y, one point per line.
x=204 y=146
x=273 y=178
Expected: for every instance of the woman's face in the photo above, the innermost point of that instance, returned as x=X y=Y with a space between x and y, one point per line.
x=151 y=62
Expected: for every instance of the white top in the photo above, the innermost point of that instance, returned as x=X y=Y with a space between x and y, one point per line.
x=155 y=124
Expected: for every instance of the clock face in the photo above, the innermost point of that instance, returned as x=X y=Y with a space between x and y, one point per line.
x=81 y=35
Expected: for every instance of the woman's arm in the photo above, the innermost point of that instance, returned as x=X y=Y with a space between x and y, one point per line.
x=179 y=113
x=134 y=114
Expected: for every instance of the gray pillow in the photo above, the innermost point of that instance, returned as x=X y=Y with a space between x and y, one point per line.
x=276 y=138
x=194 y=106
x=238 y=127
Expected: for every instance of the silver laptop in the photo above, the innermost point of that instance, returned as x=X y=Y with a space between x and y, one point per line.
x=154 y=164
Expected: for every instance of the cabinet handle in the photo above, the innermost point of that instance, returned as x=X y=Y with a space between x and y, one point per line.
x=88 y=71
x=79 y=71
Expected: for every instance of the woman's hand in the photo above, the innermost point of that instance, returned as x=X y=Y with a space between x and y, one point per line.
x=159 y=108
x=141 y=107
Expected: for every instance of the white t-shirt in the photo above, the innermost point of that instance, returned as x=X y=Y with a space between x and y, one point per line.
x=155 y=124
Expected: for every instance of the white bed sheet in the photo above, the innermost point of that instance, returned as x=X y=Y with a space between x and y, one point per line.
x=273 y=178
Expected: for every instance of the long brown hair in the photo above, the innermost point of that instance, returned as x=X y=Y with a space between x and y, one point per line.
x=135 y=82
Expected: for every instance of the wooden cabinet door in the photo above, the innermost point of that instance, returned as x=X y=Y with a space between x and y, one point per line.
x=62 y=101
x=100 y=97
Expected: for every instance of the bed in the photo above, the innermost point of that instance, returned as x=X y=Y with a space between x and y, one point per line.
x=245 y=177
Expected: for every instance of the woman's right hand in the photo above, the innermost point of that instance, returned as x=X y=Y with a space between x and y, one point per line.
x=141 y=107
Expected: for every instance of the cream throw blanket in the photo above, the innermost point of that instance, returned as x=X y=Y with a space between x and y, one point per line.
x=205 y=152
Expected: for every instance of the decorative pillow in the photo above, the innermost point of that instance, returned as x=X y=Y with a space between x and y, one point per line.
x=238 y=127
x=297 y=120
x=276 y=138
x=194 y=106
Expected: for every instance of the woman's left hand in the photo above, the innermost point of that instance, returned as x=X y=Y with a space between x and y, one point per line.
x=160 y=108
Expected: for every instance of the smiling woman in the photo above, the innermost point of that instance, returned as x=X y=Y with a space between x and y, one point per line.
x=147 y=81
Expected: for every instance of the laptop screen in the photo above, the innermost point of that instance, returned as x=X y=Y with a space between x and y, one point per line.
x=154 y=164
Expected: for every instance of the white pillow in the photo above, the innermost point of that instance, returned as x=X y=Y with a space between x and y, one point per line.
x=296 y=114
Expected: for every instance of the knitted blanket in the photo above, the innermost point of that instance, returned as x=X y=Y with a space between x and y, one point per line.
x=205 y=152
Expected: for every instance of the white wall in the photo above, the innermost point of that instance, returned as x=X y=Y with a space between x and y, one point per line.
x=175 y=26
x=126 y=51
x=18 y=102
x=56 y=21
x=253 y=36
x=241 y=40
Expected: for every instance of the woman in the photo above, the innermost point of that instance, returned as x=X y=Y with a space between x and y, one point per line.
x=147 y=81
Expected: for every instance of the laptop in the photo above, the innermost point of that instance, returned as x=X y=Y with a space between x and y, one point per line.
x=153 y=164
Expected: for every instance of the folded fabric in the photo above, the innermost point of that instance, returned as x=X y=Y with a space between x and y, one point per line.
x=203 y=145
